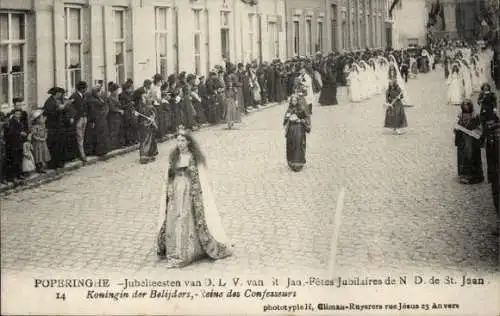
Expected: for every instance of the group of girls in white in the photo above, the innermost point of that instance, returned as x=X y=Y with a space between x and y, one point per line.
x=465 y=75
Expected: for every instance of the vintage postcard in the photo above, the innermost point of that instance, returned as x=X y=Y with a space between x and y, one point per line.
x=248 y=157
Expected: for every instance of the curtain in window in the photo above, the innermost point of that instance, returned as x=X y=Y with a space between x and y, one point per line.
x=74 y=24
x=17 y=32
x=4 y=26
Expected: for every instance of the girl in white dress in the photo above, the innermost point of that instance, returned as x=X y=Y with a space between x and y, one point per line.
x=464 y=71
x=455 y=86
x=383 y=70
x=476 y=79
x=376 y=75
x=368 y=81
x=355 y=83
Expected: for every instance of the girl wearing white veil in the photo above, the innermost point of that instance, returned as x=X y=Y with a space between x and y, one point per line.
x=467 y=80
x=455 y=84
x=429 y=57
x=475 y=76
x=406 y=99
x=383 y=69
x=413 y=68
x=369 y=80
x=355 y=83
x=376 y=74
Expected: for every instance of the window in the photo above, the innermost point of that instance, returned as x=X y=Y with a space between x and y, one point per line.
x=308 y=37
x=344 y=31
x=274 y=39
x=224 y=35
x=296 y=37
x=319 y=37
x=119 y=44
x=197 y=41
x=334 y=25
x=73 y=47
x=251 y=36
x=12 y=57
x=161 y=31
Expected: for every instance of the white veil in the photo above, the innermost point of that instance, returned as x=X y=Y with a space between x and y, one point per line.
x=406 y=98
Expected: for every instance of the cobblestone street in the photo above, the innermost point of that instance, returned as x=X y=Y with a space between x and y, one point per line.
x=403 y=205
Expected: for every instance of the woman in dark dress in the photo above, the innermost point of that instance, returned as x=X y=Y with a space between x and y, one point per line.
x=148 y=124
x=470 y=168
x=328 y=94
x=15 y=136
x=280 y=87
x=115 y=117
x=247 y=88
x=297 y=123
x=98 y=120
x=395 y=116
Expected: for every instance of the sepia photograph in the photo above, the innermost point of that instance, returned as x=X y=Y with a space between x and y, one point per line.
x=216 y=157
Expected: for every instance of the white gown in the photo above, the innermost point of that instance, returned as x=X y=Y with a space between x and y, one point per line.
x=455 y=88
x=355 y=85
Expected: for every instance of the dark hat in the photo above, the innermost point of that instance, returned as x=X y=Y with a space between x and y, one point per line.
x=17 y=100
x=127 y=85
x=55 y=90
x=171 y=78
x=81 y=85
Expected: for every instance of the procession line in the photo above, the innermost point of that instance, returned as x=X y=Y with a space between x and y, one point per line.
x=336 y=231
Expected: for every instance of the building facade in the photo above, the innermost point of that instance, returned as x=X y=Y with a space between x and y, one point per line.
x=46 y=43
x=409 y=20
x=454 y=19
x=334 y=25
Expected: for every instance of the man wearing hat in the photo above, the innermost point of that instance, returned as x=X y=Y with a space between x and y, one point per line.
x=56 y=113
x=80 y=108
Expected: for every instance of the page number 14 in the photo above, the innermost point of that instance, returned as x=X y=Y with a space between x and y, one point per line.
x=60 y=296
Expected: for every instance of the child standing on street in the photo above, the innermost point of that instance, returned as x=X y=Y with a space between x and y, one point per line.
x=39 y=141
x=28 y=159
x=395 y=116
